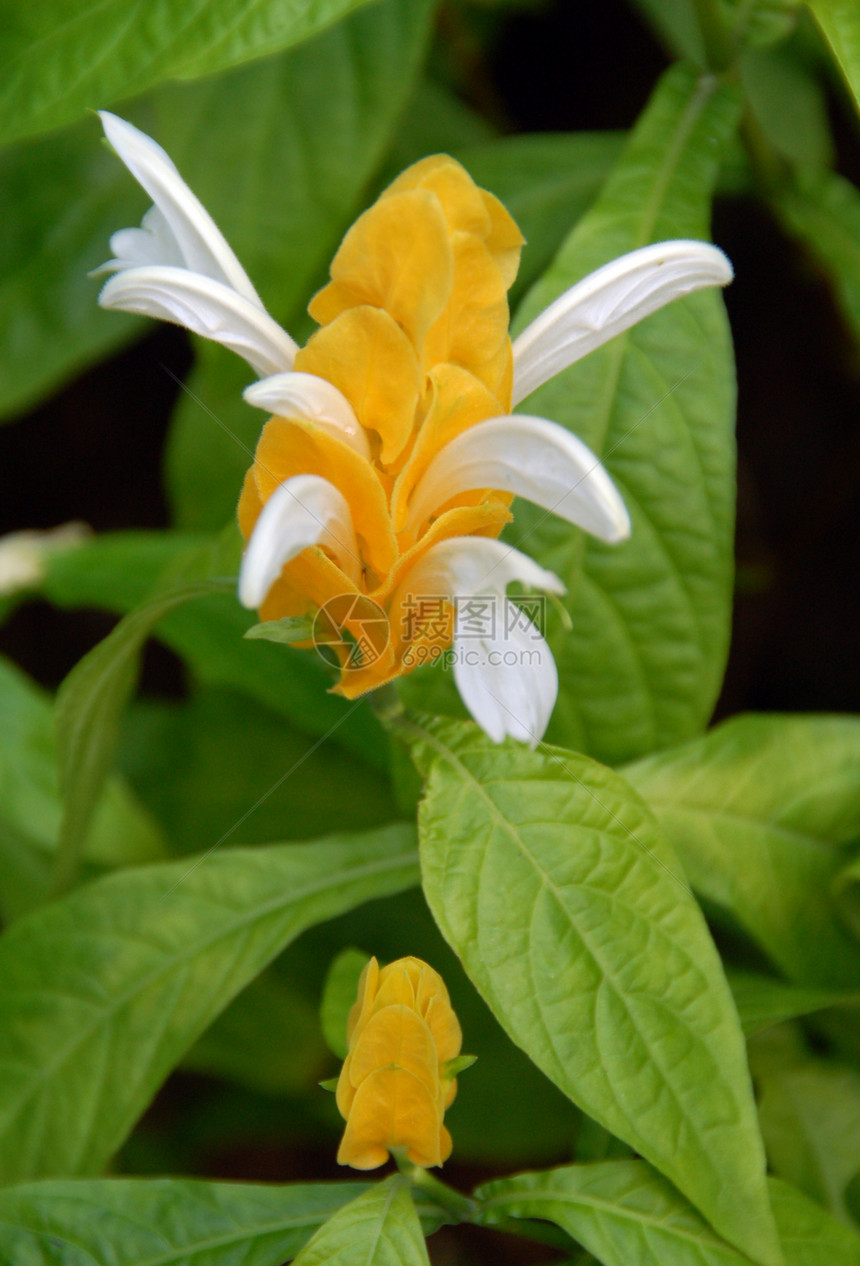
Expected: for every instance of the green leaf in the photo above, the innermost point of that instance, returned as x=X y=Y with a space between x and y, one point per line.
x=763 y=1001
x=822 y=210
x=221 y=765
x=118 y=571
x=120 y=834
x=677 y=26
x=846 y=890
x=758 y=810
x=59 y=62
x=810 y=1236
x=759 y=22
x=546 y=182
x=280 y=154
x=163 y=1221
x=102 y=993
x=840 y=22
x=60 y=199
x=268 y=1039
x=788 y=104
x=623 y=1212
x=644 y=661
x=434 y=120
x=453 y=1067
x=291 y=629
x=810 y=1119
x=379 y=1228
x=89 y=705
x=549 y=877
x=339 y=994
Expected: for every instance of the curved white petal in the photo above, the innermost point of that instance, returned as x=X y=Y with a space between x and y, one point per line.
x=464 y=566
x=201 y=244
x=508 y=681
x=297 y=395
x=152 y=243
x=206 y=307
x=533 y=458
x=505 y=673
x=305 y=510
x=609 y=301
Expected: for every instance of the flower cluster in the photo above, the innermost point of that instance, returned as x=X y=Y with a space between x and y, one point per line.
x=388 y=467
x=394 y=1086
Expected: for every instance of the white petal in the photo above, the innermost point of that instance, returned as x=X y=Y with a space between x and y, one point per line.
x=535 y=459
x=152 y=243
x=611 y=300
x=508 y=682
x=297 y=395
x=464 y=566
x=305 y=510
x=200 y=242
x=206 y=307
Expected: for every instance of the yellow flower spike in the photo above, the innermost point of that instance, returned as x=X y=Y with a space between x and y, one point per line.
x=393 y=1089
x=394 y=424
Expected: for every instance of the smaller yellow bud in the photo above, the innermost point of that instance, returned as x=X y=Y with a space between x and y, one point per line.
x=396 y=1081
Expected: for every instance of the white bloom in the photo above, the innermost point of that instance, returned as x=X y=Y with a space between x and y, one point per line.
x=178 y=266
x=24 y=555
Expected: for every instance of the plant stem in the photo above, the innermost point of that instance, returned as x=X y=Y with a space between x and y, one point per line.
x=458 y=1207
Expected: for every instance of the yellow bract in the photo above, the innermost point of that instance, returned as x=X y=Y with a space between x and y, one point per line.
x=414 y=333
x=393 y=1090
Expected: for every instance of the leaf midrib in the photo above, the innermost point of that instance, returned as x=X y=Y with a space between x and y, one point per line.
x=508 y=827
x=183 y=1252
x=615 y=1210
x=45 y=1072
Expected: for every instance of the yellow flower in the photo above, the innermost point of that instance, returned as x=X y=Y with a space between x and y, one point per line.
x=388 y=466
x=393 y=1088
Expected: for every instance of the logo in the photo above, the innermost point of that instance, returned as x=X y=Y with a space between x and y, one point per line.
x=351 y=631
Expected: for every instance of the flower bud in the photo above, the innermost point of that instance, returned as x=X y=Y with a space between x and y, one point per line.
x=393 y=1088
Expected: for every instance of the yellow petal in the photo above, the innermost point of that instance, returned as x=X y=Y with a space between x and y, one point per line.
x=444 y=1027
x=505 y=240
x=395 y=985
x=297 y=447
x=393 y=1108
x=458 y=401
x=428 y=985
x=472 y=330
x=365 y=353
x=345 y=1090
x=250 y=505
x=396 y=1035
x=306 y=583
x=463 y=203
x=355 y=682
x=361 y=1008
x=396 y=256
x=446 y=1145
